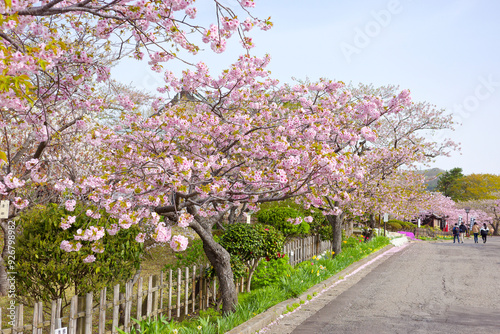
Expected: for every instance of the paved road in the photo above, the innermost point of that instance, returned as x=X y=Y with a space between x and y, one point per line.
x=425 y=288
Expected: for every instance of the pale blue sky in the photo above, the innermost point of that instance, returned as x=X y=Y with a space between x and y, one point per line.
x=445 y=52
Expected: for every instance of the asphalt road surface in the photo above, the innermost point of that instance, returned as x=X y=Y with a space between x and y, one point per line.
x=427 y=287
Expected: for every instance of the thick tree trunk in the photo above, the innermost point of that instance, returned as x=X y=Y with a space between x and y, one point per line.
x=336 y=223
x=496 y=225
x=350 y=228
x=220 y=259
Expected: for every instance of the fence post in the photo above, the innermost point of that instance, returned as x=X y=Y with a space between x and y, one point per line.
x=155 y=296
x=170 y=294
x=179 y=278
x=89 y=298
x=128 y=305
x=73 y=309
x=160 y=291
x=193 y=294
x=52 y=327
x=35 y=318
x=186 y=293
x=102 y=311
x=139 y=301
x=149 y=305
x=80 y=321
x=116 y=308
x=19 y=328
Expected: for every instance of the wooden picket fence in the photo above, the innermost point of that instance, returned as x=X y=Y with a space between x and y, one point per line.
x=300 y=250
x=169 y=294
x=173 y=295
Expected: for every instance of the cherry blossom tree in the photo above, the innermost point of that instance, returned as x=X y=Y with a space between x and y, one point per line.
x=55 y=79
x=400 y=140
x=243 y=140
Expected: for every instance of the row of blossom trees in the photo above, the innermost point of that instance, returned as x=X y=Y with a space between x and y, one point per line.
x=241 y=139
x=55 y=82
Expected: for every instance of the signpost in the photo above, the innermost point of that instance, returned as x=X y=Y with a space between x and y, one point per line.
x=386 y=219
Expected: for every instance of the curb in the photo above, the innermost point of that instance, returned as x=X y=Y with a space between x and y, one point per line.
x=267 y=317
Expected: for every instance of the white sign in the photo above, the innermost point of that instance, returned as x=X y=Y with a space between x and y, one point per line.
x=63 y=330
x=386 y=217
x=4 y=209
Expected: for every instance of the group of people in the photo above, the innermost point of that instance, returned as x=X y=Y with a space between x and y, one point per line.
x=459 y=232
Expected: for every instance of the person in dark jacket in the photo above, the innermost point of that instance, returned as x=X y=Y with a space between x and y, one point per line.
x=463 y=230
x=484 y=232
x=456 y=233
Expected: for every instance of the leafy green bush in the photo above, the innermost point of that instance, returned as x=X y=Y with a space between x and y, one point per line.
x=249 y=243
x=252 y=241
x=394 y=225
x=407 y=226
x=45 y=271
x=279 y=216
x=326 y=232
x=270 y=272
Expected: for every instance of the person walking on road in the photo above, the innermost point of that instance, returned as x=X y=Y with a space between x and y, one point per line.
x=456 y=233
x=484 y=232
x=463 y=229
x=475 y=230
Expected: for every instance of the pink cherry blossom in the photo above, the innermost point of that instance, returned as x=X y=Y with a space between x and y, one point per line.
x=70 y=205
x=89 y=259
x=179 y=243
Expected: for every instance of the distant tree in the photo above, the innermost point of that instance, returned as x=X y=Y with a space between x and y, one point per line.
x=479 y=186
x=449 y=183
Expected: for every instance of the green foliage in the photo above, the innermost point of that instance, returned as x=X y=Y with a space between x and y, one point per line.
x=246 y=242
x=407 y=226
x=449 y=183
x=269 y=272
x=326 y=232
x=249 y=242
x=152 y=326
x=352 y=241
x=399 y=225
x=278 y=216
x=193 y=255
x=479 y=187
x=45 y=271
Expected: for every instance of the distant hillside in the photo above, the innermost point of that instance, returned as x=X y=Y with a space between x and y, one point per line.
x=431 y=177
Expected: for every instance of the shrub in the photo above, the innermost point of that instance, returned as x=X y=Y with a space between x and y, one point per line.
x=249 y=243
x=278 y=217
x=407 y=226
x=270 y=272
x=45 y=271
x=394 y=225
